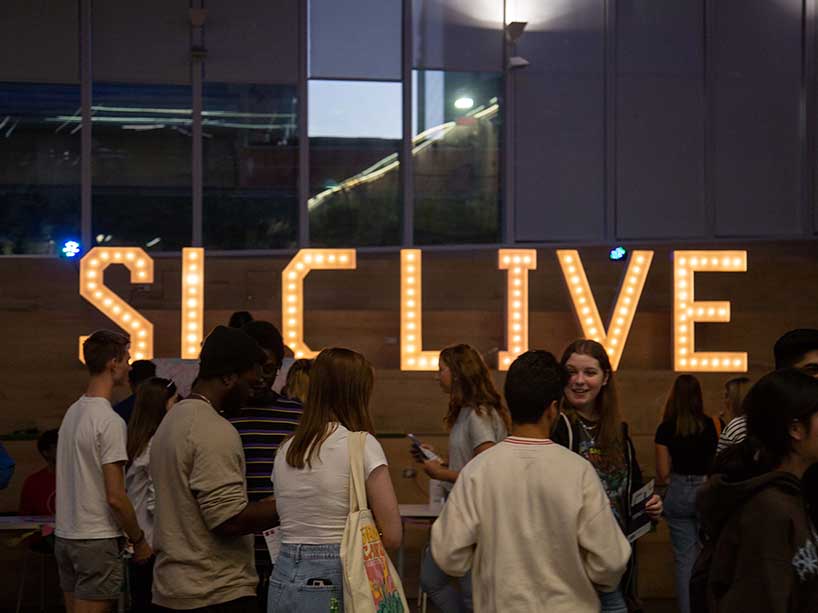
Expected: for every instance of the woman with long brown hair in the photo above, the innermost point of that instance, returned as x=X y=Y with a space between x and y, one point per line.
x=685 y=447
x=591 y=425
x=154 y=398
x=311 y=482
x=476 y=420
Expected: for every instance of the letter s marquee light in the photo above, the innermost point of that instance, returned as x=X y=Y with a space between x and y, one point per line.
x=686 y=311
x=93 y=289
x=292 y=291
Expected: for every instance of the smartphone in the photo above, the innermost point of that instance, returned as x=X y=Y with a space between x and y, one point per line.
x=316 y=582
x=427 y=453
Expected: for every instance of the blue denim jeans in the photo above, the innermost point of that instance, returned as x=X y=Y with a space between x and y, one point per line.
x=438 y=585
x=680 y=512
x=612 y=602
x=305 y=578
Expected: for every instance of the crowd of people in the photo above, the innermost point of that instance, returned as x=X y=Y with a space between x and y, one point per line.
x=236 y=497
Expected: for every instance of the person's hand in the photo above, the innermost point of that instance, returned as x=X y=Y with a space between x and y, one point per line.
x=142 y=552
x=654 y=507
x=418 y=454
x=432 y=468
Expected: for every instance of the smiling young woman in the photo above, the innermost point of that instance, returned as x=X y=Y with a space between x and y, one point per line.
x=592 y=426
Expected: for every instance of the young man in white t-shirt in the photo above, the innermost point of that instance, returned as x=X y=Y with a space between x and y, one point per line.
x=529 y=517
x=93 y=509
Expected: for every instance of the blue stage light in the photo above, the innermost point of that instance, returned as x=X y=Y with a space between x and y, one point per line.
x=70 y=249
x=618 y=253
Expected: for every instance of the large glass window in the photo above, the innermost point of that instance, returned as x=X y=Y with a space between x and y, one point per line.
x=250 y=141
x=456 y=119
x=355 y=136
x=355 y=39
x=142 y=165
x=39 y=167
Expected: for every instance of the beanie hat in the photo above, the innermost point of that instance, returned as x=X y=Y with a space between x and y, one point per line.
x=795 y=343
x=267 y=336
x=227 y=351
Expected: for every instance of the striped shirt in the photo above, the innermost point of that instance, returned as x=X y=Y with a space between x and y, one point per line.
x=262 y=430
x=733 y=434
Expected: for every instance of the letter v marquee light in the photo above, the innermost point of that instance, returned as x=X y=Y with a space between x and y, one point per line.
x=615 y=337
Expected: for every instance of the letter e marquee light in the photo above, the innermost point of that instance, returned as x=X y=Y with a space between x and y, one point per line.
x=686 y=311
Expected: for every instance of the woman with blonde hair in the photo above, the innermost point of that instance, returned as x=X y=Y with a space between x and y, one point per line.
x=592 y=426
x=736 y=430
x=311 y=483
x=685 y=448
x=476 y=419
x=298 y=380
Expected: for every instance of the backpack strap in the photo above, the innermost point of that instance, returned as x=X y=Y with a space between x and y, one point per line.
x=570 y=429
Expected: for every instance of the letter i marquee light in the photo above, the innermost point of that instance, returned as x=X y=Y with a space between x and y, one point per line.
x=93 y=289
x=292 y=291
x=686 y=311
x=192 y=301
x=517 y=262
x=412 y=356
x=615 y=337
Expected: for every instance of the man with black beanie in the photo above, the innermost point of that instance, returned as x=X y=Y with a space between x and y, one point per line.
x=203 y=521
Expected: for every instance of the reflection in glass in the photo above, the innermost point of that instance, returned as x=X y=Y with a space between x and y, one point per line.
x=355 y=136
x=456 y=119
x=142 y=165
x=250 y=140
x=39 y=167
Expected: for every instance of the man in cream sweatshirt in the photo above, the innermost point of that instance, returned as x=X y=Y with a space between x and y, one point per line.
x=529 y=517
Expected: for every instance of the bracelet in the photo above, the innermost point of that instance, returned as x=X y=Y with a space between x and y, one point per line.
x=140 y=539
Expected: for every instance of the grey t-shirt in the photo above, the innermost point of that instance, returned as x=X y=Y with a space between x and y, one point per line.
x=471 y=430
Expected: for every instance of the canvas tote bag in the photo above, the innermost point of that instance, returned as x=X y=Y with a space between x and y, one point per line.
x=371 y=584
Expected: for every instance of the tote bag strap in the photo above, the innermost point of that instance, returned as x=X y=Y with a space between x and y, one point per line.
x=357 y=482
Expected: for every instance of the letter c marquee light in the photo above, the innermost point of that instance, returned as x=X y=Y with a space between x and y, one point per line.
x=93 y=289
x=615 y=337
x=292 y=291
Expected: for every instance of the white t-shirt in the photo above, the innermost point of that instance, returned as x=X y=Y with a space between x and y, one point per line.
x=139 y=485
x=313 y=503
x=91 y=435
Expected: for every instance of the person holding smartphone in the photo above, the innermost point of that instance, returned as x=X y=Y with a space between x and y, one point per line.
x=477 y=419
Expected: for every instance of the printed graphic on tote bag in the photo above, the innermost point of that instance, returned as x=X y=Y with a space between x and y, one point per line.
x=386 y=597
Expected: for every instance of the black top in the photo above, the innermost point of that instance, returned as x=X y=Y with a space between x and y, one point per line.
x=689 y=455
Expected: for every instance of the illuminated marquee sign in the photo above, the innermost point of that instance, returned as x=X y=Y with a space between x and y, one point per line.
x=613 y=339
x=517 y=262
x=93 y=289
